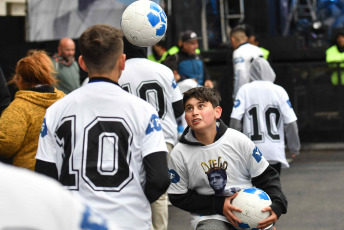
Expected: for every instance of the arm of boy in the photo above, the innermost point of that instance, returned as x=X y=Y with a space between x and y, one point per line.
x=268 y=221
x=228 y=209
x=269 y=181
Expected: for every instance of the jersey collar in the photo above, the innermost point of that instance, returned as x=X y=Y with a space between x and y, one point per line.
x=242 y=44
x=99 y=79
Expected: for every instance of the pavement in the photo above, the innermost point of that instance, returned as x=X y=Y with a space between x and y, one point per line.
x=314 y=186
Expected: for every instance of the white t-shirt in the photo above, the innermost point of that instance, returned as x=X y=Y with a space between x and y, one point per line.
x=242 y=59
x=32 y=201
x=154 y=83
x=98 y=136
x=234 y=153
x=265 y=108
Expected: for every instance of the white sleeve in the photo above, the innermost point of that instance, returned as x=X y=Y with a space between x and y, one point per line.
x=238 y=110
x=176 y=94
x=240 y=72
x=153 y=139
x=257 y=162
x=178 y=174
x=289 y=115
x=46 y=149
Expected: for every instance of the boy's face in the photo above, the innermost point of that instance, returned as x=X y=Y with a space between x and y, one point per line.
x=201 y=115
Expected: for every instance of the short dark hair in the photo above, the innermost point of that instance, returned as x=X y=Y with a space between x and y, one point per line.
x=203 y=94
x=171 y=63
x=100 y=46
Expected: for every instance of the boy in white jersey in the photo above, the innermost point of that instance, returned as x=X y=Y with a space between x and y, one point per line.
x=267 y=115
x=208 y=145
x=103 y=143
x=29 y=200
x=154 y=83
x=243 y=55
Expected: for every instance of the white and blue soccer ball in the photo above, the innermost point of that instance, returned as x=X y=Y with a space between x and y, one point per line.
x=144 y=23
x=251 y=201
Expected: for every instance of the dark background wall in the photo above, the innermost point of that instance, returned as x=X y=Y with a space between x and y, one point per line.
x=299 y=66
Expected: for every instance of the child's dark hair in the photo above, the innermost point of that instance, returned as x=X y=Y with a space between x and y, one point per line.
x=203 y=94
x=171 y=63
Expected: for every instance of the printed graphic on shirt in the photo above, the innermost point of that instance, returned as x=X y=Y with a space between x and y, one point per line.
x=174 y=177
x=44 y=129
x=257 y=154
x=217 y=176
x=92 y=221
x=289 y=103
x=237 y=103
x=154 y=124
x=238 y=60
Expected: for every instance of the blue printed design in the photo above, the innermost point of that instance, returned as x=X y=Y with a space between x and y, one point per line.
x=257 y=154
x=289 y=103
x=88 y=219
x=174 y=84
x=163 y=17
x=153 y=19
x=243 y=225
x=250 y=190
x=161 y=31
x=156 y=17
x=238 y=60
x=44 y=129
x=237 y=103
x=263 y=196
x=174 y=177
x=154 y=124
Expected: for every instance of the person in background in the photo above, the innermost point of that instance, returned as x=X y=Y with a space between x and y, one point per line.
x=102 y=143
x=159 y=52
x=68 y=72
x=21 y=121
x=190 y=64
x=243 y=54
x=5 y=98
x=34 y=201
x=267 y=115
x=253 y=39
x=335 y=57
x=154 y=83
x=184 y=85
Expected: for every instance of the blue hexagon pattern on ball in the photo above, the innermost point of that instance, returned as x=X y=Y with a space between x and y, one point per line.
x=251 y=201
x=144 y=23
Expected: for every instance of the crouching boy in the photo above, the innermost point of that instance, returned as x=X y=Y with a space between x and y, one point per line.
x=212 y=162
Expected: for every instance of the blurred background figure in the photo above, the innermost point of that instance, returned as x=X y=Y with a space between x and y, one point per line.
x=5 y=98
x=68 y=71
x=42 y=203
x=21 y=122
x=335 y=55
x=263 y=112
x=243 y=54
x=159 y=53
x=190 y=64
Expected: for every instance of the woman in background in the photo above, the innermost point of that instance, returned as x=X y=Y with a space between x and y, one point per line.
x=21 y=122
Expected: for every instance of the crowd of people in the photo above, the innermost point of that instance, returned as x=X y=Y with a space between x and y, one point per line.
x=122 y=158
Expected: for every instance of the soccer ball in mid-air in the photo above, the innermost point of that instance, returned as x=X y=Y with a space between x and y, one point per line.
x=251 y=201
x=144 y=23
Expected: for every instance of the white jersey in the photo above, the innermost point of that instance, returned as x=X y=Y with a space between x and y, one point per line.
x=29 y=200
x=233 y=154
x=265 y=108
x=154 y=83
x=98 y=136
x=242 y=59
